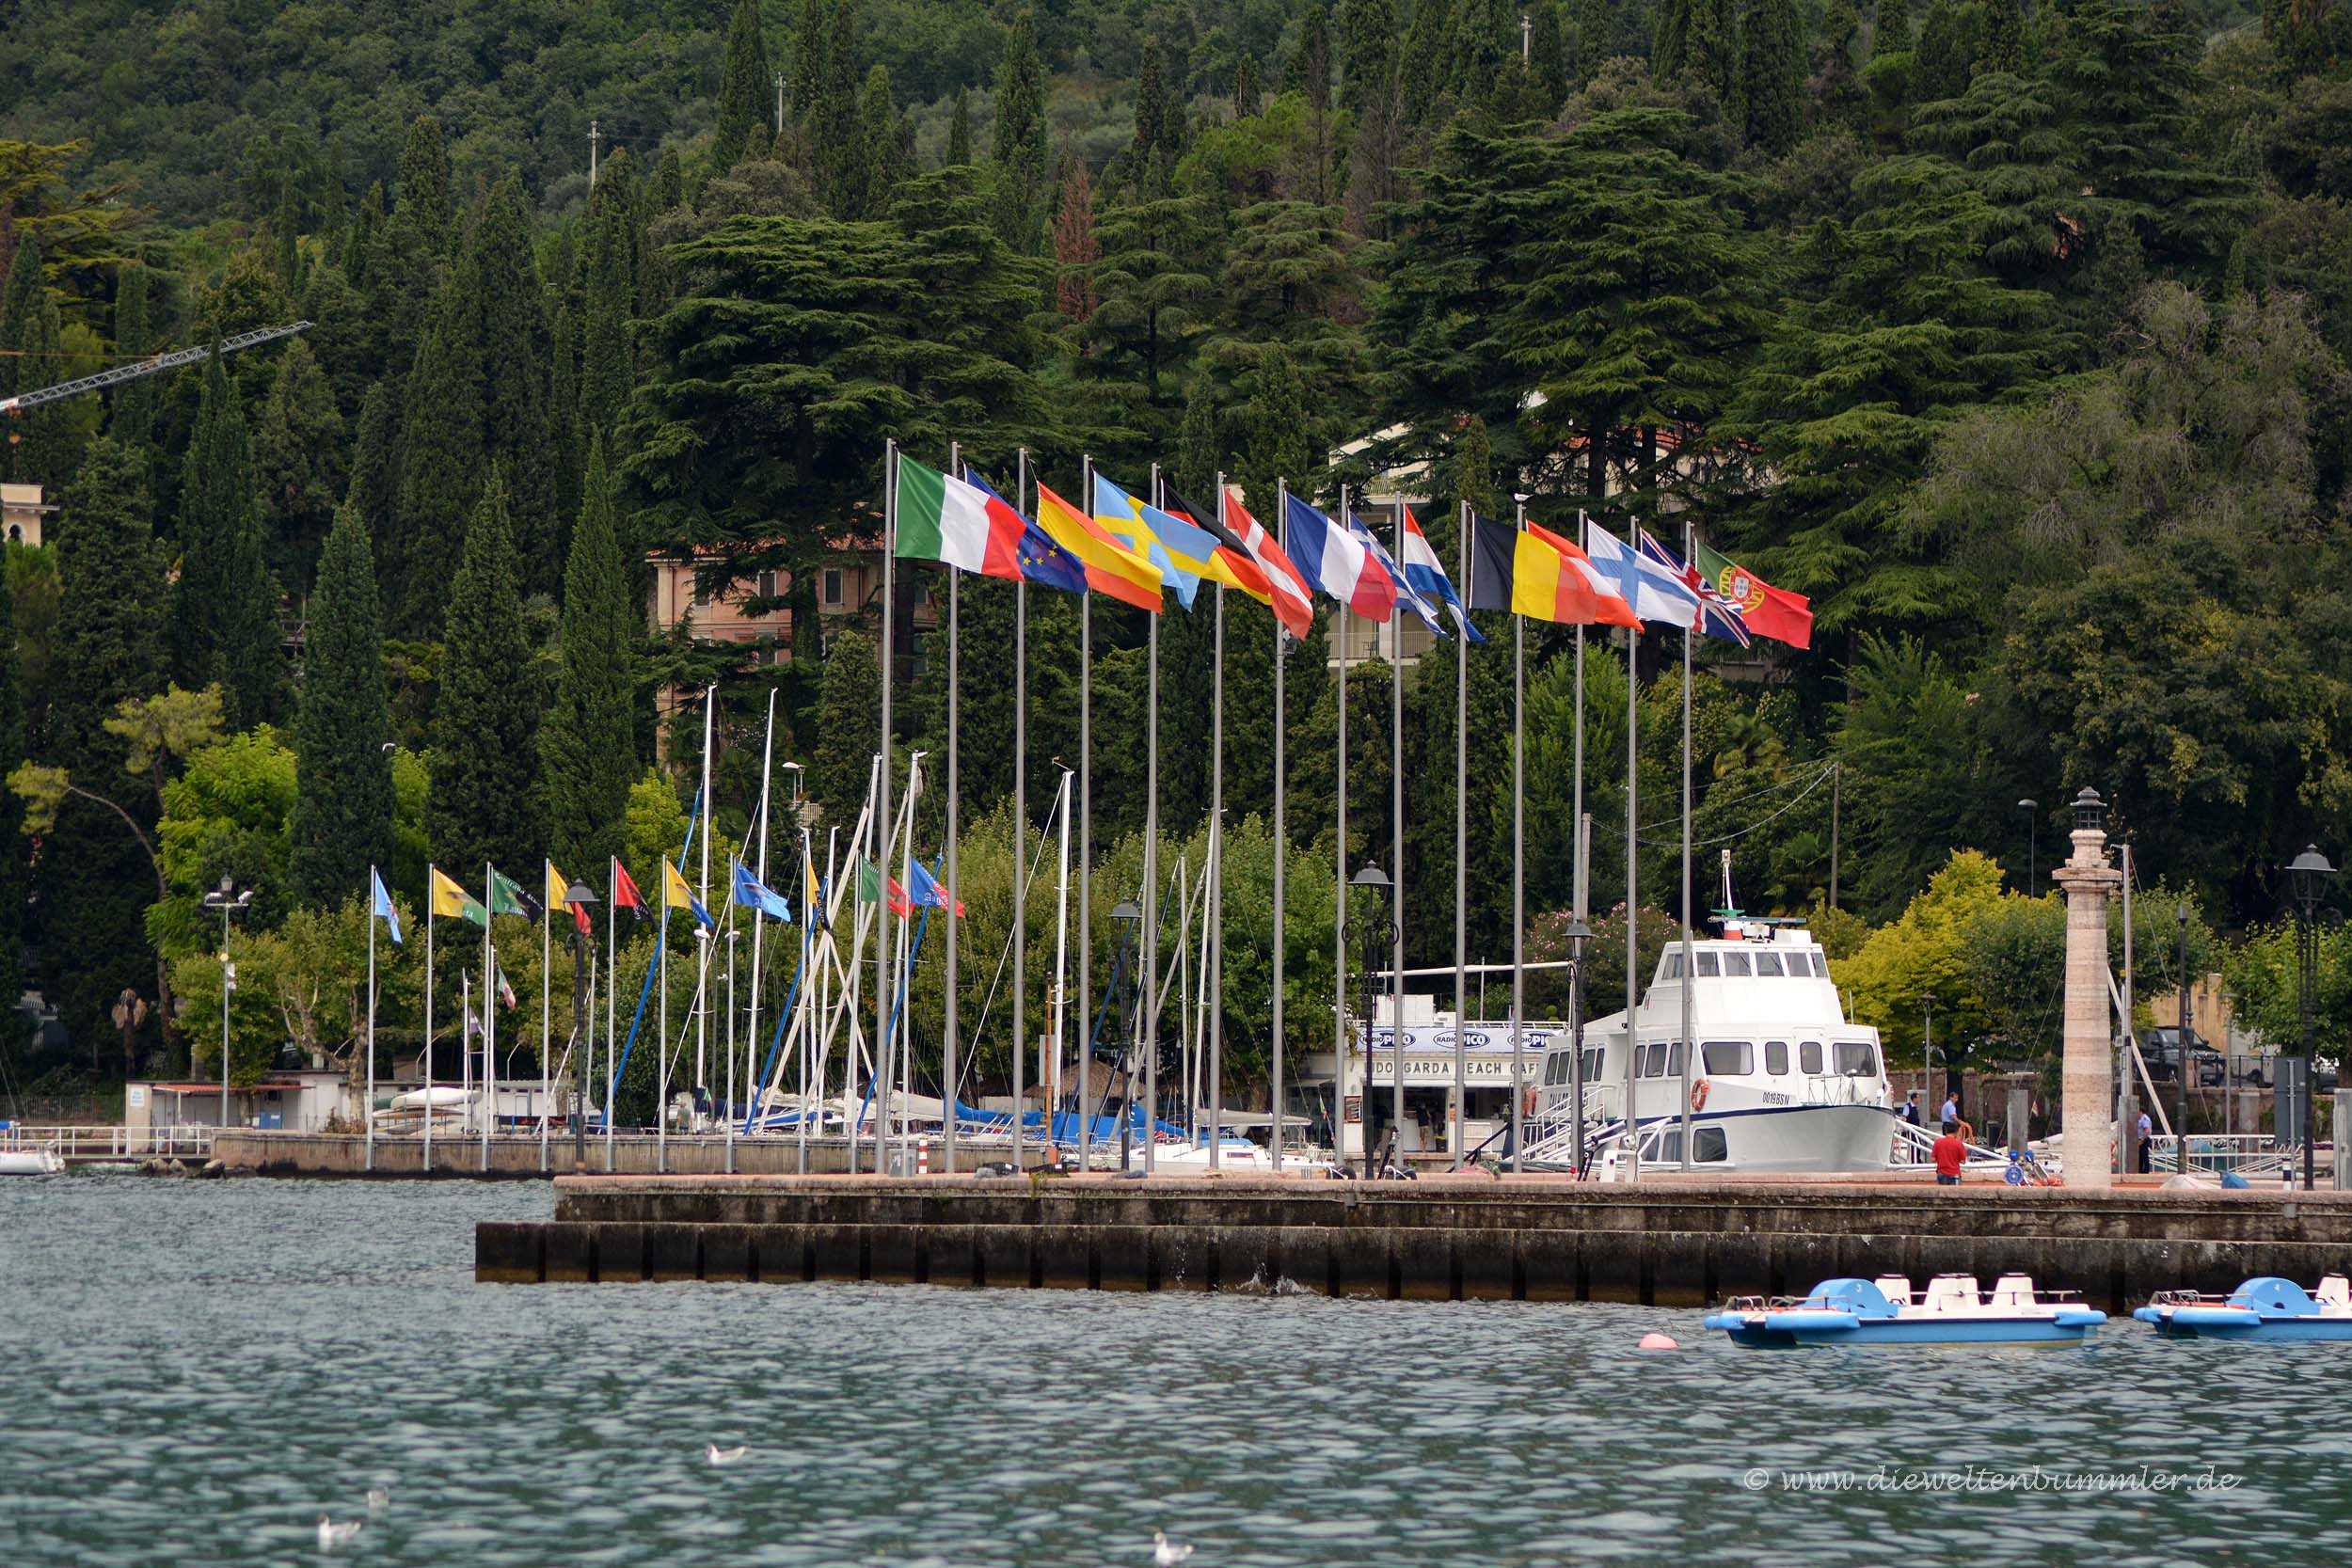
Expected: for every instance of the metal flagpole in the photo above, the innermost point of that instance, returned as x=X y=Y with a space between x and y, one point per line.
x=369 y=1109
x=428 y=1020
x=1459 y=1142
x=1580 y=901
x=811 y=992
x=1085 y=842
x=947 y=1076
x=1217 y=896
x=661 y=983
x=767 y=768
x=1061 y=972
x=547 y=1011
x=1276 y=1097
x=489 y=1009
x=1690 y=1041
x=882 y=964
x=1020 y=818
x=1518 y=866
x=1338 y=928
x=1151 y=895
x=727 y=1114
x=1632 y=862
x=612 y=952
x=702 y=937
x=1396 y=852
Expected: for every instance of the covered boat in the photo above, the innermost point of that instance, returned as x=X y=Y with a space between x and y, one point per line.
x=2266 y=1307
x=1883 y=1312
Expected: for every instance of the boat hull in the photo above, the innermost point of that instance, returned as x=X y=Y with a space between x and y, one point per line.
x=2232 y=1323
x=1790 y=1139
x=30 y=1162
x=1766 y=1332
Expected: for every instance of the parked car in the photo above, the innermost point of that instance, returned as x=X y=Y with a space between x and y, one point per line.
x=2160 y=1048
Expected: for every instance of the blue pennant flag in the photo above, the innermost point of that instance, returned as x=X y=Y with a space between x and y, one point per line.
x=382 y=907
x=753 y=893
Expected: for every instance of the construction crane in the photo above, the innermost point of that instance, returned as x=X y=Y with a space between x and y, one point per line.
x=146 y=366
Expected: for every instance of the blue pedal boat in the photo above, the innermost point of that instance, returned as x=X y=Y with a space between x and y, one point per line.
x=1884 y=1312
x=2267 y=1309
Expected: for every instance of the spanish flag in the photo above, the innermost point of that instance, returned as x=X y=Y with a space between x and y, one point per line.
x=1111 y=567
x=1553 y=581
x=675 y=895
x=451 y=901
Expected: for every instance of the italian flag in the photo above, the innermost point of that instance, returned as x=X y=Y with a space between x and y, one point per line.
x=941 y=519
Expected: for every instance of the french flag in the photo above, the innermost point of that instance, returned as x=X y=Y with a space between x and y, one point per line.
x=1334 y=561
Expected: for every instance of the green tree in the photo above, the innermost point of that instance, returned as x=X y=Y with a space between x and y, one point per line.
x=12 y=845
x=959 y=131
x=134 y=403
x=224 y=609
x=1946 y=52
x=512 y=335
x=42 y=440
x=441 y=480
x=849 y=725
x=1020 y=138
x=1772 y=74
x=1152 y=291
x=484 y=804
x=297 y=460
x=744 y=81
x=606 y=372
x=588 y=750
x=342 y=816
x=2003 y=45
x=403 y=272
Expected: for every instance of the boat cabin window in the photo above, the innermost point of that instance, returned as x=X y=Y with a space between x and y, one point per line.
x=1735 y=963
x=1769 y=963
x=1653 y=1060
x=1735 y=1057
x=1776 y=1057
x=1708 y=966
x=1673 y=969
x=1855 y=1059
x=1592 y=1066
x=1674 y=1061
x=1706 y=1147
x=1802 y=963
x=1810 y=1058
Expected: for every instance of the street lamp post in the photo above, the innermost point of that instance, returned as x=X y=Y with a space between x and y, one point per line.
x=577 y=899
x=2033 y=839
x=2307 y=876
x=1926 y=1040
x=1578 y=934
x=1379 y=936
x=2180 y=1124
x=229 y=901
x=1130 y=920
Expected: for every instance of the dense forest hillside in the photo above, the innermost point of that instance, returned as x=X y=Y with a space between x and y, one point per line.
x=2012 y=333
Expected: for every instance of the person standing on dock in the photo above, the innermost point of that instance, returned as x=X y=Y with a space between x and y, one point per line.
x=2147 y=1133
x=1951 y=1108
x=1951 y=1154
x=1911 y=1108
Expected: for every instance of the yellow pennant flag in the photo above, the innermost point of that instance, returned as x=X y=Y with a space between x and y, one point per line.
x=558 y=886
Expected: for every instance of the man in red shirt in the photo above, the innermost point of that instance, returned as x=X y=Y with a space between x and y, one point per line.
x=1951 y=1154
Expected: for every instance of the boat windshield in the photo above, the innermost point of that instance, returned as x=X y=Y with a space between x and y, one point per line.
x=1855 y=1060
x=1729 y=1057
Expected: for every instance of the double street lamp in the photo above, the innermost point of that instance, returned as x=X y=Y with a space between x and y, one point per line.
x=1379 y=936
x=228 y=900
x=2307 y=883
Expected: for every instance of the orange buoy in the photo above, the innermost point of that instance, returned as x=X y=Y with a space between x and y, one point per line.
x=1654 y=1340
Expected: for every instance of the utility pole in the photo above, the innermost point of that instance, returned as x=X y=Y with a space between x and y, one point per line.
x=779 y=103
x=593 y=136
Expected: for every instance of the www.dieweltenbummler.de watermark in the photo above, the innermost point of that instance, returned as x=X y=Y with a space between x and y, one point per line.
x=1974 y=1478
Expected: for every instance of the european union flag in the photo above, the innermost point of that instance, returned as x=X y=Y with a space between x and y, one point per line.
x=1043 y=562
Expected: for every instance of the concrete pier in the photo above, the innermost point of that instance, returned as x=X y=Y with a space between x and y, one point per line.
x=1665 y=1242
x=247 y=1152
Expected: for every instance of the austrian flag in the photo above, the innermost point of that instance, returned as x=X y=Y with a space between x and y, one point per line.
x=941 y=519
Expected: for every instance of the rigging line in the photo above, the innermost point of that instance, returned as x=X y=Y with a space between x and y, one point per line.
x=1726 y=838
x=1004 y=956
x=1790 y=783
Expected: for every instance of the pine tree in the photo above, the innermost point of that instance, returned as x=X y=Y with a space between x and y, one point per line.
x=1074 y=248
x=959 y=132
x=297 y=453
x=95 y=881
x=132 y=420
x=40 y=440
x=1772 y=74
x=1152 y=290
x=224 y=609
x=483 y=803
x=342 y=814
x=1019 y=147
x=744 y=82
x=515 y=377
x=588 y=754
x=441 y=482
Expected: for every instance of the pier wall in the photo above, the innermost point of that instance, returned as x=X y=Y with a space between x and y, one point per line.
x=1456 y=1238
x=246 y=1152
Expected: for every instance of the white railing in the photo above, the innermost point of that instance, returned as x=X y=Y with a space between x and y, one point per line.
x=109 y=1143
x=1916 y=1146
x=2249 y=1154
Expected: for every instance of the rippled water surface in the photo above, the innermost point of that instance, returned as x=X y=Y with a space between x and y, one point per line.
x=193 y=1371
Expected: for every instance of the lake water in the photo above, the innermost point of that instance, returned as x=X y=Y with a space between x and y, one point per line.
x=193 y=1371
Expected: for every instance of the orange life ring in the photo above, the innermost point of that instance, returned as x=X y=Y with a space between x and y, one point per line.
x=1698 y=1094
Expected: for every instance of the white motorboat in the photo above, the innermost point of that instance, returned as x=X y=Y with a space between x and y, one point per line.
x=1780 y=1079
x=44 y=1161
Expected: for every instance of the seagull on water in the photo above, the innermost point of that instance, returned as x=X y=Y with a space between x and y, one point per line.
x=378 y=1499
x=1166 y=1553
x=718 y=1455
x=332 y=1534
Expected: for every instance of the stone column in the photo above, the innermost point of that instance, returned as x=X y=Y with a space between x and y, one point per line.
x=2087 y=1067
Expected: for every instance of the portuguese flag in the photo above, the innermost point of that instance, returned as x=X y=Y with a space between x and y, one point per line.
x=1764 y=610
x=941 y=519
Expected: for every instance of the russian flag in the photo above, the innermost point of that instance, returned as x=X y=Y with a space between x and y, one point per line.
x=1334 y=561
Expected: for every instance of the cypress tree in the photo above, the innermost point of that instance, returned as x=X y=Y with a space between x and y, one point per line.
x=224 y=610
x=40 y=445
x=132 y=419
x=1246 y=89
x=1199 y=451
x=606 y=374
x=362 y=238
x=343 y=813
x=1367 y=49
x=959 y=132
x=743 y=86
x=404 y=273
x=515 y=377
x=1307 y=70
x=1836 y=85
x=563 y=438
x=1773 y=74
x=1670 y=43
x=1019 y=146
x=375 y=488
x=808 y=60
x=2003 y=45
x=1946 y=52
x=1150 y=103
x=483 y=802
x=297 y=452
x=95 y=881
x=442 y=435
x=587 y=747
x=872 y=175
x=849 y=716
x=1547 y=47
x=12 y=845
x=845 y=152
